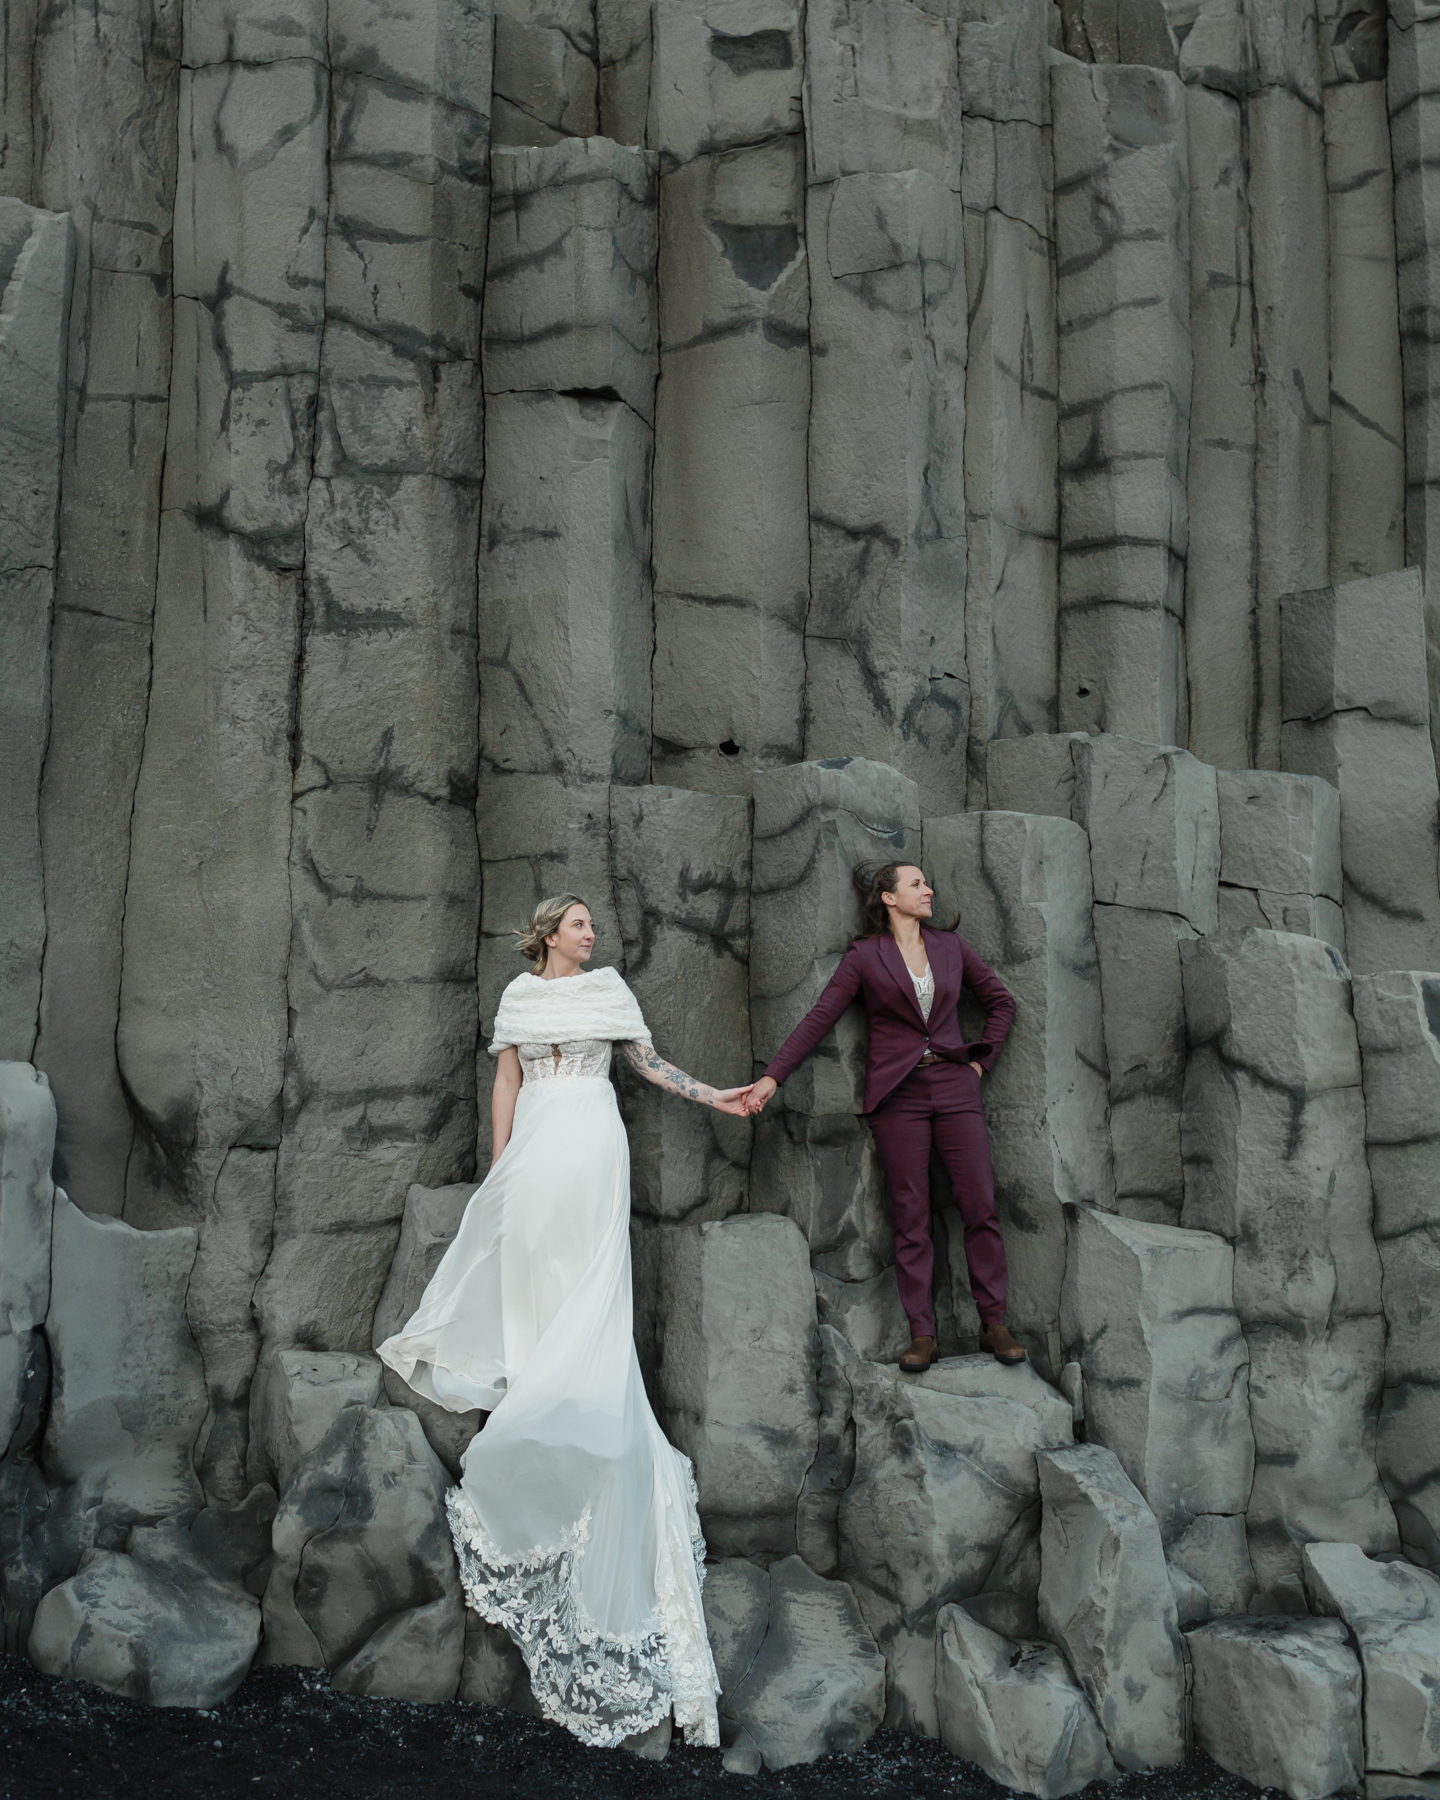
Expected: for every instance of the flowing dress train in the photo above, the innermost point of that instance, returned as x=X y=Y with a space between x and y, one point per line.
x=575 y=1519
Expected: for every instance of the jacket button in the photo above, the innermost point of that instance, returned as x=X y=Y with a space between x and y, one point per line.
x=927 y=1040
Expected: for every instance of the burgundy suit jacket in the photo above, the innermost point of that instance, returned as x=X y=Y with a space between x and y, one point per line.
x=874 y=969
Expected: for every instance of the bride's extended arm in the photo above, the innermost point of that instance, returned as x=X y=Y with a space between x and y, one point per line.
x=642 y=1058
x=502 y=1100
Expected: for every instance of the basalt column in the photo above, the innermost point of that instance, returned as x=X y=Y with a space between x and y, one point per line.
x=206 y=945
x=36 y=260
x=1413 y=87
x=1367 y=416
x=731 y=543
x=1221 y=630
x=1274 y=1141
x=379 y=1078
x=1397 y=1015
x=566 y=629
x=207 y=916
x=1289 y=237
x=885 y=632
x=1011 y=494
x=106 y=85
x=1122 y=247
x=814 y=1156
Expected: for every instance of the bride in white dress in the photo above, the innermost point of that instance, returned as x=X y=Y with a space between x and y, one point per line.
x=575 y=1519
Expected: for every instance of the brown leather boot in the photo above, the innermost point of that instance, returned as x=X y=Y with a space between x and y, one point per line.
x=918 y=1358
x=1001 y=1345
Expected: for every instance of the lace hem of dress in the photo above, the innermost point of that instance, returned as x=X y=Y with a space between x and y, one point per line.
x=600 y=1686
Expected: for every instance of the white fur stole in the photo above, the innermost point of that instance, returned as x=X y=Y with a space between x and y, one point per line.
x=593 y=1004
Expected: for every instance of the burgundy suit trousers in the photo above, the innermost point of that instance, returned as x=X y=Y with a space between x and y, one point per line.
x=939 y=1105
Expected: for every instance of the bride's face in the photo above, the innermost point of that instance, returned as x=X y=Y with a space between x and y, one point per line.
x=574 y=937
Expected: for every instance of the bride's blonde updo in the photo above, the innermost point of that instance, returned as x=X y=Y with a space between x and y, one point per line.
x=530 y=939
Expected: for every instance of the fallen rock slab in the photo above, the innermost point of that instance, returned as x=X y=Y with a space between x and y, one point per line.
x=816 y=1684
x=1106 y=1599
x=1393 y=1612
x=155 y=1625
x=1016 y=1710
x=364 y=1581
x=1277 y=1702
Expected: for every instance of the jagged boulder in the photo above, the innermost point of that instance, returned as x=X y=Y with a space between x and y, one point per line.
x=129 y=1394
x=27 y=1201
x=800 y=1674
x=1015 y=1709
x=1105 y=1598
x=169 y=1622
x=944 y=1490
x=295 y=1399
x=736 y=1379
x=1277 y=1702
x=1393 y=1613
x=364 y=1580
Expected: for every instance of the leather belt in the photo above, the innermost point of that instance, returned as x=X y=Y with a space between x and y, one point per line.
x=928 y=1058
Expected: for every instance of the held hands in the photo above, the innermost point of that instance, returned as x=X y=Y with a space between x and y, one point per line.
x=732 y=1100
x=756 y=1095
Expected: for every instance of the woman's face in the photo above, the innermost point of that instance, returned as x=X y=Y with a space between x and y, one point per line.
x=574 y=936
x=913 y=897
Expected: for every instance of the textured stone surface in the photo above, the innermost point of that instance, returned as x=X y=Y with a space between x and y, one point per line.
x=1274 y=1136
x=27 y=1205
x=206 y=940
x=1011 y=494
x=682 y=892
x=1289 y=205
x=379 y=1073
x=546 y=76
x=1367 y=418
x=364 y=1580
x=106 y=92
x=1017 y=1711
x=157 y=1624
x=36 y=264
x=1413 y=63
x=799 y=1671
x=1022 y=885
x=1392 y=1612
x=1221 y=597
x=944 y=1475
x=1280 y=854
x=814 y=1158
x=731 y=534
x=129 y=1392
x=296 y=1397
x=1123 y=304
x=1357 y=713
x=1148 y=1315
x=1277 y=1702
x=570 y=285
x=884 y=636
x=1105 y=1598
x=736 y=1384
x=432 y=1217
x=1153 y=818
x=1397 y=1017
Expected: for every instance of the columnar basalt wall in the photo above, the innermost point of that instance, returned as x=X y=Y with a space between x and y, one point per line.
x=669 y=452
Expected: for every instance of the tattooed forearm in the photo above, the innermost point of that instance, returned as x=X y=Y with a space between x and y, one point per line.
x=642 y=1058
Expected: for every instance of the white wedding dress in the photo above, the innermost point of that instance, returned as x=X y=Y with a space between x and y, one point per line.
x=575 y=1520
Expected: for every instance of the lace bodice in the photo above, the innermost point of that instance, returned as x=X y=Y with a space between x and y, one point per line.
x=581 y=1056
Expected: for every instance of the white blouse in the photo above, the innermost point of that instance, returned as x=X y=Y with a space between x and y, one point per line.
x=924 y=990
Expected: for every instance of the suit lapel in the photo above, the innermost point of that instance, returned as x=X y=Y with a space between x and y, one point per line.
x=895 y=966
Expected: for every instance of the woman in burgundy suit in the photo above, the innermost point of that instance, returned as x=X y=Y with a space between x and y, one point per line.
x=922 y=1087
